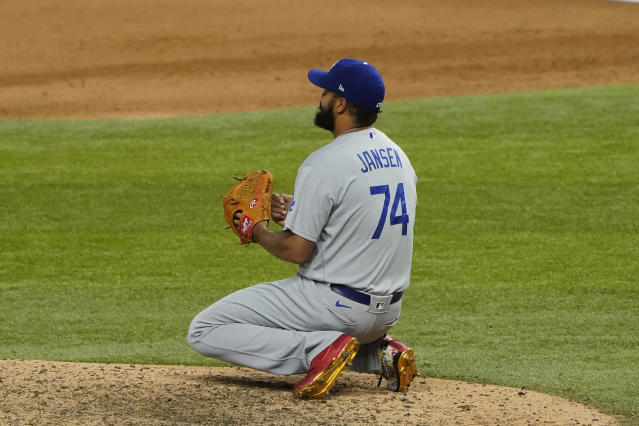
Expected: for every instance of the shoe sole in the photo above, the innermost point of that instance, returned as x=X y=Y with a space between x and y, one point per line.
x=324 y=381
x=406 y=369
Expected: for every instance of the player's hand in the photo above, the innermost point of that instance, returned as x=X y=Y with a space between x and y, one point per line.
x=280 y=204
x=238 y=216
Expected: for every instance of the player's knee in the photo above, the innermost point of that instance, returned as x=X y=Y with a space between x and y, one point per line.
x=196 y=330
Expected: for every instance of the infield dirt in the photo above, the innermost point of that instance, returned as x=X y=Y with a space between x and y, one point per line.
x=145 y=58
x=85 y=59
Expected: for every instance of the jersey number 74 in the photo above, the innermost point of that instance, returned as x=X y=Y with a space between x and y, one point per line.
x=399 y=200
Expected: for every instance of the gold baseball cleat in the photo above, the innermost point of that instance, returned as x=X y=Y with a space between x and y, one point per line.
x=398 y=364
x=326 y=367
x=406 y=369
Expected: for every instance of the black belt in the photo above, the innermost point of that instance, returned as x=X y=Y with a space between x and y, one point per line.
x=358 y=296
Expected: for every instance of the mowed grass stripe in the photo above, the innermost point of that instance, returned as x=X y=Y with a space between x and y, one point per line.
x=525 y=265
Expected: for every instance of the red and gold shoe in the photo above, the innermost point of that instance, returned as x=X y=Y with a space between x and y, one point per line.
x=398 y=364
x=326 y=367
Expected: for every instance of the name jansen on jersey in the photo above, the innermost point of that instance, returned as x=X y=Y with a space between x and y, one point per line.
x=373 y=159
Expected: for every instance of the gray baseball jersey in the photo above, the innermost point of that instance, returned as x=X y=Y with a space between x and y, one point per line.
x=355 y=198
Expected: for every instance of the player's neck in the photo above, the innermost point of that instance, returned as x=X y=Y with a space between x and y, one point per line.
x=342 y=130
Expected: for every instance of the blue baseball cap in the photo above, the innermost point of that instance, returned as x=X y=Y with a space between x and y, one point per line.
x=357 y=81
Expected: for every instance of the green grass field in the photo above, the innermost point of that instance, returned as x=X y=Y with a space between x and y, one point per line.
x=526 y=261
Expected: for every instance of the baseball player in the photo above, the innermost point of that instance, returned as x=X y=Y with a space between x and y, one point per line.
x=349 y=227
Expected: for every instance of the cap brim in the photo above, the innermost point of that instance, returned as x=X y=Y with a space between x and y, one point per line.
x=317 y=77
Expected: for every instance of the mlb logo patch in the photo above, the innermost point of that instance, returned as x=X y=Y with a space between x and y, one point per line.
x=380 y=305
x=254 y=203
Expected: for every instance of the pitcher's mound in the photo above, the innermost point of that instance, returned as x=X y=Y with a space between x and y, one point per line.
x=39 y=392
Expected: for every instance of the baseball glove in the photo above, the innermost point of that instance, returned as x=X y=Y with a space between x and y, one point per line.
x=251 y=195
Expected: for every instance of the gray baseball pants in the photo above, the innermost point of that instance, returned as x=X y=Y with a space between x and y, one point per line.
x=281 y=326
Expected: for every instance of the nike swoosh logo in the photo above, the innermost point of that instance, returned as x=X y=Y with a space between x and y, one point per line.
x=339 y=305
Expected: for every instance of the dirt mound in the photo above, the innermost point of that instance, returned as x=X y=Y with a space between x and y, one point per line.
x=39 y=392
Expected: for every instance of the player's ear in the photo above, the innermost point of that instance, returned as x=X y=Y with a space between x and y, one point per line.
x=341 y=105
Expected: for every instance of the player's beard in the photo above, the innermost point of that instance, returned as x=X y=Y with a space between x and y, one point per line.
x=324 y=117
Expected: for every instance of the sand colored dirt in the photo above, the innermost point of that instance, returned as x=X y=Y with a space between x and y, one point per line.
x=117 y=58
x=37 y=392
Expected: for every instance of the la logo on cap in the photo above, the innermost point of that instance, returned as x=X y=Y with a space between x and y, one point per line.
x=341 y=88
